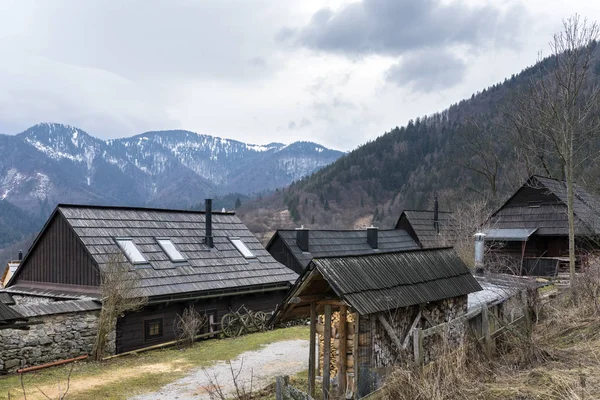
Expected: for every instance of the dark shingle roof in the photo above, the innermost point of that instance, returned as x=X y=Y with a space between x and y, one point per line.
x=205 y=269
x=421 y=222
x=550 y=217
x=326 y=243
x=379 y=282
x=8 y=315
x=57 y=307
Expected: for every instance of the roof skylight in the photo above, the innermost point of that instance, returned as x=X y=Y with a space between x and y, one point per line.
x=169 y=248
x=242 y=248
x=134 y=255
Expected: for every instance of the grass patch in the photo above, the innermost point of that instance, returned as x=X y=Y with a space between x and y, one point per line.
x=120 y=378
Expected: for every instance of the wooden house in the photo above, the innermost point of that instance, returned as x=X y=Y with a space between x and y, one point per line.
x=206 y=259
x=295 y=248
x=9 y=271
x=531 y=227
x=386 y=296
x=427 y=228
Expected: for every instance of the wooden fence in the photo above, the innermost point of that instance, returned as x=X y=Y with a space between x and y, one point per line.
x=486 y=323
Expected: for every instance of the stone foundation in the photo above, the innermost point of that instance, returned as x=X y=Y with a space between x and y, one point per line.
x=49 y=338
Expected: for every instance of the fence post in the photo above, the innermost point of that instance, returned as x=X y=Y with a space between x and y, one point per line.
x=526 y=313
x=327 y=352
x=312 y=349
x=280 y=385
x=485 y=328
x=418 y=346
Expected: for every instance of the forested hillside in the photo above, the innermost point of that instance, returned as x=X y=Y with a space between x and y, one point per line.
x=466 y=153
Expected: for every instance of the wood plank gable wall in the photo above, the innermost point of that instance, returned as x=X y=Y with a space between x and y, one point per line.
x=58 y=257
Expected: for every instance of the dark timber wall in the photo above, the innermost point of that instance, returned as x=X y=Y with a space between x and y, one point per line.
x=130 y=333
x=59 y=257
x=282 y=254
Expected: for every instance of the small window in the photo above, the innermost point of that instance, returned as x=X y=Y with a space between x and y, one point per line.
x=134 y=255
x=169 y=248
x=242 y=248
x=534 y=204
x=153 y=328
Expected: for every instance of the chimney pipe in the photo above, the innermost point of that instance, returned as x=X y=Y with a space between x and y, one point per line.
x=20 y=255
x=436 y=217
x=479 y=252
x=208 y=216
x=302 y=238
x=372 y=236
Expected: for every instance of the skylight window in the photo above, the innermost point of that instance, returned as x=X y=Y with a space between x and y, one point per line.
x=134 y=255
x=242 y=248
x=169 y=248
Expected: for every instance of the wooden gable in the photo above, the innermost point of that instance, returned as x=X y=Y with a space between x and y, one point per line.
x=56 y=258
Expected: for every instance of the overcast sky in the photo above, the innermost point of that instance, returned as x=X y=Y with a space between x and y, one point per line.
x=336 y=72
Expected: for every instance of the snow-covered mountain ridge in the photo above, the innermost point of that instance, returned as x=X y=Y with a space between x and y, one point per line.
x=50 y=163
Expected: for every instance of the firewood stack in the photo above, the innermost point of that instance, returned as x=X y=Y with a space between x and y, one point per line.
x=335 y=342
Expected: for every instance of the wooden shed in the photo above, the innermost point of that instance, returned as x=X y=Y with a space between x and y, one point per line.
x=387 y=297
x=181 y=258
x=429 y=228
x=531 y=227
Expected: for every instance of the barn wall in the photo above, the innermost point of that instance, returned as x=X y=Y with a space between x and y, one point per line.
x=282 y=254
x=130 y=329
x=59 y=257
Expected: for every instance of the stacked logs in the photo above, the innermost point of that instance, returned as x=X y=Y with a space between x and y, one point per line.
x=335 y=342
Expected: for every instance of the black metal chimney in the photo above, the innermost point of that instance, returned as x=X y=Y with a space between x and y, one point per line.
x=302 y=238
x=372 y=236
x=20 y=255
x=436 y=217
x=208 y=216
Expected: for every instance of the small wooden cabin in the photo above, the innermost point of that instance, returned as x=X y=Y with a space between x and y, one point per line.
x=295 y=248
x=386 y=296
x=181 y=258
x=531 y=228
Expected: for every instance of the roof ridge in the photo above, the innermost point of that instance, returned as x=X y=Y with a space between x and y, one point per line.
x=137 y=208
x=428 y=249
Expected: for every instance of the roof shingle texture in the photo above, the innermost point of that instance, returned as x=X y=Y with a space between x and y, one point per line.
x=204 y=270
x=380 y=282
x=422 y=223
x=326 y=243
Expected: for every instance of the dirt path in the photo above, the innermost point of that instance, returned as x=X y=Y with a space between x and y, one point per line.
x=261 y=367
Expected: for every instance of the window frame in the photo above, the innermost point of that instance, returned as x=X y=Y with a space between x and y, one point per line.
x=242 y=248
x=168 y=251
x=147 y=326
x=130 y=257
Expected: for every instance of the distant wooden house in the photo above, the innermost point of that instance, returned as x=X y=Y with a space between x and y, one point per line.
x=9 y=271
x=180 y=258
x=295 y=248
x=427 y=228
x=386 y=296
x=531 y=227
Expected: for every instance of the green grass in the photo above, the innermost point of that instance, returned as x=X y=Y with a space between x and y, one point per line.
x=125 y=376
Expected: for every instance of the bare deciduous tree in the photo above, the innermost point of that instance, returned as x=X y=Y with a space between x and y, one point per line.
x=188 y=325
x=557 y=118
x=120 y=294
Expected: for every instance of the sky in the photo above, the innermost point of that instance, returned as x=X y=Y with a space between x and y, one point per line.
x=336 y=72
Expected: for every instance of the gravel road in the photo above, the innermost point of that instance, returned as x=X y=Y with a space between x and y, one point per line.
x=262 y=366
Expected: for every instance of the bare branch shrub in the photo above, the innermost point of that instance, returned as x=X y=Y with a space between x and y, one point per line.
x=187 y=325
x=121 y=293
x=242 y=392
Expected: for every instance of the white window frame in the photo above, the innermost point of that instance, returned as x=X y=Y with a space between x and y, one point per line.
x=131 y=251
x=242 y=247
x=170 y=250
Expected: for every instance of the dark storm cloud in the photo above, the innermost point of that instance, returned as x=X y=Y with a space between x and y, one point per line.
x=393 y=27
x=427 y=71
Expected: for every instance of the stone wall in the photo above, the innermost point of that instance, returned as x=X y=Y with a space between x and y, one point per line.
x=50 y=338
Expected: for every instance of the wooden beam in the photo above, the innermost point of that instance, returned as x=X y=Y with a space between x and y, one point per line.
x=311 y=297
x=327 y=353
x=410 y=331
x=342 y=366
x=355 y=353
x=485 y=327
x=335 y=303
x=390 y=331
x=312 y=348
x=418 y=346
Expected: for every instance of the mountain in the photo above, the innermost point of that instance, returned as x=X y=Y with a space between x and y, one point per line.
x=51 y=163
x=465 y=155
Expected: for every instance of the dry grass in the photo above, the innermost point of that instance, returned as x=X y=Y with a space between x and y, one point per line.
x=561 y=361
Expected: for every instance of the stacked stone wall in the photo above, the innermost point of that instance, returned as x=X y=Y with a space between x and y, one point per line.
x=50 y=338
